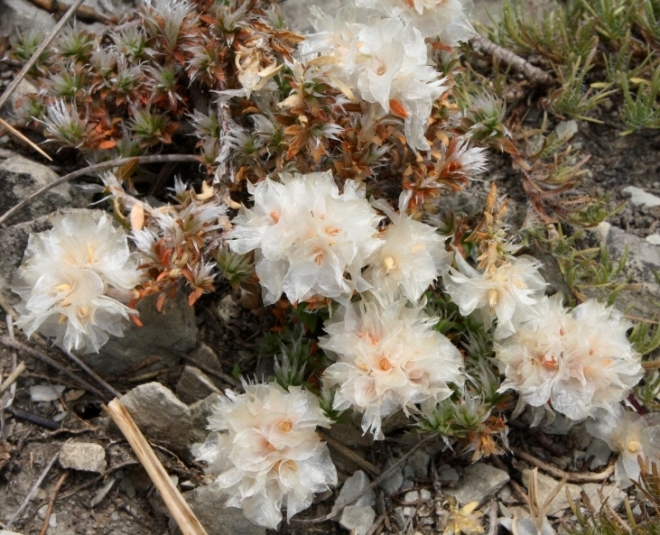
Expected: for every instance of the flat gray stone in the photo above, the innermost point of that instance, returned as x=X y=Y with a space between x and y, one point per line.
x=19 y=177
x=353 y=486
x=209 y=507
x=168 y=334
x=85 y=456
x=194 y=385
x=357 y=518
x=480 y=481
x=161 y=416
x=545 y=487
x=653 y=239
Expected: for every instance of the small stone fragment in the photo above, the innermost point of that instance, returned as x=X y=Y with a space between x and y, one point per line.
x=447 y=474
x=392 y=483
x=194 y=385
x=639 y=197
x=357 y=518
x=614 y=495
x=199 y=416
x=352 y=487
x=480 y=481
x=565 y=130
x=85 y=456
x=599 y=452
x=419 y=464
x=102 y=492
x=46 y=392
x=653 y=239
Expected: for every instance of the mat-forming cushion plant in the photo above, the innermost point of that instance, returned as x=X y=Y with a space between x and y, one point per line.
x=337 y=145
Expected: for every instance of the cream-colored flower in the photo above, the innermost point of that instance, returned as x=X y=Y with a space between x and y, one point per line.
x=412 y=256
x=388 y=358
x=509 y=292
x=265 y=451
x=71 y=279
x=309 y=238
x=578 y=361
x=631 y=435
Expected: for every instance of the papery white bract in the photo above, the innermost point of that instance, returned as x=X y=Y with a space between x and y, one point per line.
x=71 y=278
x=307 y=236
x=410 y=259
x=508 y=292
x=631 y=435
x=265 y=452
x=578 y=361
x=388 y=358
x=446 y=19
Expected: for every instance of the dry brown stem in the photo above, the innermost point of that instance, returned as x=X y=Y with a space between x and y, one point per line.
x=574 y=477
x=51 y=502
x=84 y=13
x=482 y=45
x=180 y=510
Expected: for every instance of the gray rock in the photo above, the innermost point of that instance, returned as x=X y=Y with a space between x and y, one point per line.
x=614 y=495
x=447 y=474
x=85 y=456
x=526 y=526
x=566 y=129
x=353 y=486
x=19 y=177
x=167 y=334
x=642 y=263
x=357 y=518
x=599 y=452
x=392 y=483
x=194 y=385
x=160 y=416
x=209 y=507
x=545 y=486
x=206 y=359
x=419 y=464
x=639 y=197
x=480 y=481
x=199 y=414
x=653 y=239
x=5 y=532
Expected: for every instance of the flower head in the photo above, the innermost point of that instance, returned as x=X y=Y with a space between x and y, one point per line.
x=410 y=259
x=631 y=435
x=579 y=360
x=308 y=237
x=389 y=358
x=508 y=292
x=70 y=279
x=265 y=452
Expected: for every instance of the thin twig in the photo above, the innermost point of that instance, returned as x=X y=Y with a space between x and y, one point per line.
x=220 y=375
x=51 y=502
x=574 y=477
x=482 y=45
x=32 y=491
x=37 y=53
x=24 y=139
x=373 y=484
x=33 y=418
x=350 y=454
x=5 y=340
x=158 y=158
x=90 y=372
x=12 y=378
x=180 y=510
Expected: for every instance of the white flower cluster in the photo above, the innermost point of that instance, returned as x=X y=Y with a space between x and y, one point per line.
x=73 y=279
x=579 y=361
x=266 y=453
x=389 y=358
x=631 y=435
x=385 y=59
